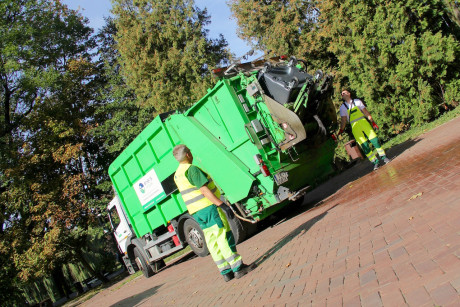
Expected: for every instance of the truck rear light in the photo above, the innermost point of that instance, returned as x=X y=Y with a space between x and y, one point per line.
x=264 y=170
x=175 y=238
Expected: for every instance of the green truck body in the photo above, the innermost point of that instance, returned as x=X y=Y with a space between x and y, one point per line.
x=262 y=133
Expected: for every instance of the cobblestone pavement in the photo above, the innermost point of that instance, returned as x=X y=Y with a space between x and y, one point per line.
x=384 y=238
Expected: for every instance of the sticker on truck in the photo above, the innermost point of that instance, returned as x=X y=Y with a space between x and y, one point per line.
x=281 y=177
x=149 y=190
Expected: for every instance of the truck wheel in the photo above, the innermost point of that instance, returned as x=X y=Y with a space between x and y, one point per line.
x=142 y=263
x=239 y=232
x=195 y=238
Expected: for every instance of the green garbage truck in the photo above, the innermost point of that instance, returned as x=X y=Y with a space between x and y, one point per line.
x=263 y=133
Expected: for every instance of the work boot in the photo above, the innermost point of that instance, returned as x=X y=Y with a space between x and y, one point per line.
x=228 y=276
x=386 y=160
x=376 y=166
x=244 y=269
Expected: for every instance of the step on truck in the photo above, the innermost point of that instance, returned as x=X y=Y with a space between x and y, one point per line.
x=263 y=133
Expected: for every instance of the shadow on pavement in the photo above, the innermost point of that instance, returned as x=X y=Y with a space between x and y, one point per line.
x=136 y=299
x=299 y=231
x=397 y=150
x=183 y=258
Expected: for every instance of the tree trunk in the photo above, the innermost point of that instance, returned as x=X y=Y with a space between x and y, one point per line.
x=454 y=11
x=61 y=282
x=87 y=266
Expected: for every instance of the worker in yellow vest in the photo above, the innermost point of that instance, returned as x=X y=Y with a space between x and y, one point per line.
x=355 y=112
x=202 y=198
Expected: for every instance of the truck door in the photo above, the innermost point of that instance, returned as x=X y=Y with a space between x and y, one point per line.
x=119 y=224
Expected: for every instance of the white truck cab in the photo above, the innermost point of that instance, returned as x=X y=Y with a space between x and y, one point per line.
x=120 y=227
x=119 y=224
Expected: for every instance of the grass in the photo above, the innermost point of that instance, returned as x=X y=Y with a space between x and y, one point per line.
x=419 y=130
x=178 y=254
x=94 y=291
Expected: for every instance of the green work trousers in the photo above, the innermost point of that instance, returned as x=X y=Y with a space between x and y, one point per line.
x=364 y=134
x=219 y=238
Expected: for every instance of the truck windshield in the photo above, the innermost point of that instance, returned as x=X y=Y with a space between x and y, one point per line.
x=114 y=218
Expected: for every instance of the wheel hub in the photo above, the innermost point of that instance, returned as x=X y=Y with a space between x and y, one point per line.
x=195 y=238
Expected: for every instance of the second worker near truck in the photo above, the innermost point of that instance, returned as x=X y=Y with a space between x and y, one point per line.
x=202 y=198
x=354 y=111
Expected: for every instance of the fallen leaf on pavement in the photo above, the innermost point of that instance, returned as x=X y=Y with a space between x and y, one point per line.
x=416 y=195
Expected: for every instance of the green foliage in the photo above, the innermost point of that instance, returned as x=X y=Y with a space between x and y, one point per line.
x=30 y=55
x=275 y=25
x=119 y=115
x=50 y=162
x=165 y=52
x=399 y=56
x=98 y=255
x=284 y=28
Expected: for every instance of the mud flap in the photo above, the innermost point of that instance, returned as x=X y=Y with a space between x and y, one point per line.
x=128 y=265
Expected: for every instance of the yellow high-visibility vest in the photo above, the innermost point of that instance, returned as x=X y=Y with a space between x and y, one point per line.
x=359 y=124
x=355 y=115
x=192 y=196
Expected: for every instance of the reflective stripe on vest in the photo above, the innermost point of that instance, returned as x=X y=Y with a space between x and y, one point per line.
x=192 y=196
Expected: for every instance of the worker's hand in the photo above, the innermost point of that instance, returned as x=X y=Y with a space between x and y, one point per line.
x=228 y=211
x=334 y=137
x=374 y=125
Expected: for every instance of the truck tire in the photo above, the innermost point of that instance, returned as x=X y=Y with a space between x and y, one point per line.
x=195 y=238
x=142 y=263
x=238 y=230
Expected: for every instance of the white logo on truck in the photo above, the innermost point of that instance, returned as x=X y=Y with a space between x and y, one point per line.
x=149 y=190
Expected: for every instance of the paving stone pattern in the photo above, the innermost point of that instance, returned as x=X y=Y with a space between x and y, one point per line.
x=384 y=238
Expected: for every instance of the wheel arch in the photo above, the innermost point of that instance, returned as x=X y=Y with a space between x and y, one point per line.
x=180 y=226
x=136 y=242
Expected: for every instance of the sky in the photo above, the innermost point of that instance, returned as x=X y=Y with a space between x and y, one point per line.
x=221 y=21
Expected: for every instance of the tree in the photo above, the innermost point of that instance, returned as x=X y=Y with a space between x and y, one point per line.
x=454 y=12
x=60 y=174
x=49 y=159
x=400 y=56
x=30 y=55
x=280 y=27
x=273 y=25
x=119 y=115
x=165 y=52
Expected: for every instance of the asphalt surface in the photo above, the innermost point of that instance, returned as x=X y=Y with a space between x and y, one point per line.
x=389 y=237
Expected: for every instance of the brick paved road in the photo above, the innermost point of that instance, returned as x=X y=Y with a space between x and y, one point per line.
x=384 y=238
